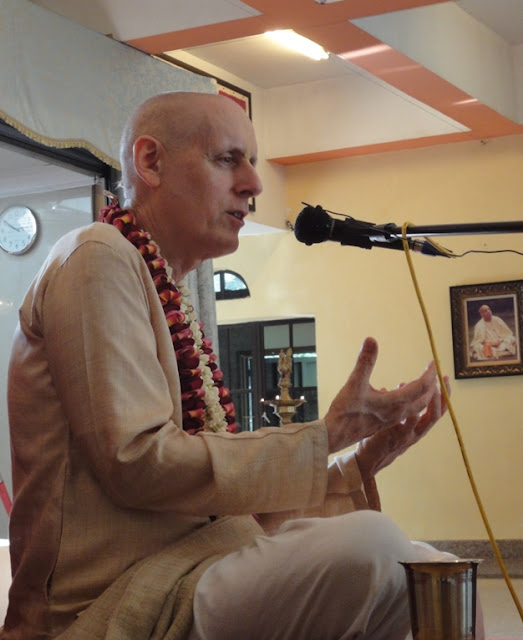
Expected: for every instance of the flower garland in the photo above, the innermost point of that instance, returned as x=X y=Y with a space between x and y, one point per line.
x=206 y=402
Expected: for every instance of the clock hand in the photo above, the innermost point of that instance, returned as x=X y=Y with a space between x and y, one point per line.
x=10 y=225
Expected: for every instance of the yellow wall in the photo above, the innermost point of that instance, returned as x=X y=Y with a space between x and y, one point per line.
x=353 y=293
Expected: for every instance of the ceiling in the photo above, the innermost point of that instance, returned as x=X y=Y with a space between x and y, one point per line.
x=175 y=24
x=416 y=72
x=458 y=65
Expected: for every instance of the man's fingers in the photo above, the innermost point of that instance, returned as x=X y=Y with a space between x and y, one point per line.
x=408 y=399
x=435 y=409
x=438 y=405
x=365 y=363
x=421 y=391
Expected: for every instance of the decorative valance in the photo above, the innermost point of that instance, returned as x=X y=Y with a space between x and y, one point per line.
x=66 y=86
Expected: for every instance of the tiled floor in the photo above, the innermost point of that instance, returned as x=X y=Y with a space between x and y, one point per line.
x=502 y=619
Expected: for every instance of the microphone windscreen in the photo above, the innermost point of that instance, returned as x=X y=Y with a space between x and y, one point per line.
x=312 y=225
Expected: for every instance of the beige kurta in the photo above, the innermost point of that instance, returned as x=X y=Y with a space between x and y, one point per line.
x=103 y=474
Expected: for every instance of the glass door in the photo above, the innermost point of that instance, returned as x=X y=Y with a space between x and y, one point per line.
x=249 y=357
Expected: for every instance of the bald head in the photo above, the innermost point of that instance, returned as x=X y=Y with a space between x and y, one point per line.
x=177 y=119
x=189 y=173
x=485 y=312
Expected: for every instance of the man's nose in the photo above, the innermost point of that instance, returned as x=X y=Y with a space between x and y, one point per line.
x=250 y=181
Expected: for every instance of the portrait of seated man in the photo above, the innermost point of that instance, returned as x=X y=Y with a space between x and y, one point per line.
x=492 y=339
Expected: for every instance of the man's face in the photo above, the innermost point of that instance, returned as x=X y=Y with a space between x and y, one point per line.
x=485 y=313
x=207 y=187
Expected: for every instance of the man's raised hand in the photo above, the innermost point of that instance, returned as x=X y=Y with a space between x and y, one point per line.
x=359 y=410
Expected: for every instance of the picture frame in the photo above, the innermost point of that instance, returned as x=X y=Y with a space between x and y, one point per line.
x=486 y=329
x=239 y=95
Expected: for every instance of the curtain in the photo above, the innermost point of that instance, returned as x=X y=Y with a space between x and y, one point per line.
x=66 y=86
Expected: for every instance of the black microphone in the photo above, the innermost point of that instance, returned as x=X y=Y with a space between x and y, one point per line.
x=314 y=225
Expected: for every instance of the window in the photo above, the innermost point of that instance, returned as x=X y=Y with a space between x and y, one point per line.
x=249 y=354
x=229 y=285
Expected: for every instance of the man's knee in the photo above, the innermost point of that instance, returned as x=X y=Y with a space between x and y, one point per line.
x=373 y=545
x=363 y=546
x=375 y=533
x=356 y=557
x=361 y=536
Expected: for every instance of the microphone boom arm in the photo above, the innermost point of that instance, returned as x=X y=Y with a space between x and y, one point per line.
x=473 y=228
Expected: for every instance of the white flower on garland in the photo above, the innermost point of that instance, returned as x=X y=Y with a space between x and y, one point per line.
x=215 y=413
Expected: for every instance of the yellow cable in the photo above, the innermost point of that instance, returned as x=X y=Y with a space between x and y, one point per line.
x=452 y=414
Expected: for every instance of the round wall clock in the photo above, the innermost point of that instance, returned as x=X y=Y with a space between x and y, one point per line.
x=18 y=229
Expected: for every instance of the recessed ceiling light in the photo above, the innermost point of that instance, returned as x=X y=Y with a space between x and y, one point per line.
x=292 y=40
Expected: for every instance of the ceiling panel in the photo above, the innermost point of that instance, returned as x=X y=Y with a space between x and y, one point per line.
x=129 y=19
x=266 y=64
x=505 y=17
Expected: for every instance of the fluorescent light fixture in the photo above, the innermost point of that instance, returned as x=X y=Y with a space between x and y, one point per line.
x=290 y=39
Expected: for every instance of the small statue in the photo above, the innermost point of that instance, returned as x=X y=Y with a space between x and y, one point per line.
x=285 y=368
x=285 y=406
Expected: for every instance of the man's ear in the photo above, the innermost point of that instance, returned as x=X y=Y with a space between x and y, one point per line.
x=147 y=153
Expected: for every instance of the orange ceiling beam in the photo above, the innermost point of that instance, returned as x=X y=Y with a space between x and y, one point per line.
x=199 y=36
x=296 y=12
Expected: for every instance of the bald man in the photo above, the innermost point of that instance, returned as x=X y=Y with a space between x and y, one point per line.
x=133 y=494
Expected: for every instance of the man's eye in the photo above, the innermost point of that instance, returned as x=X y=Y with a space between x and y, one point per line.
x=227 y=160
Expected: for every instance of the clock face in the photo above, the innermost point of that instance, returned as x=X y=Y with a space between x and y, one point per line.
x=18 y=229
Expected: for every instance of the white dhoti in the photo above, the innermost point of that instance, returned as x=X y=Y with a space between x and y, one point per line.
x=316 y=579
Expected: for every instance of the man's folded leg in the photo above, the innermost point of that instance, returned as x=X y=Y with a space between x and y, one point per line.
x=316 y=578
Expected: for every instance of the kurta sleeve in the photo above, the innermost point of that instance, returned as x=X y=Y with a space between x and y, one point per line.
x=346 y=492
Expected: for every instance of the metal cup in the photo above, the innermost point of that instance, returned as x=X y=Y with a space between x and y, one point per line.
x=442 y=599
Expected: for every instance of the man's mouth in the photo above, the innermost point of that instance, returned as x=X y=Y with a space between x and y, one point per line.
x=239 y=215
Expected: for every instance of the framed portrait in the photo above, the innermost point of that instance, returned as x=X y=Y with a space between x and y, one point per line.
x=239 y=95
x=486 y=329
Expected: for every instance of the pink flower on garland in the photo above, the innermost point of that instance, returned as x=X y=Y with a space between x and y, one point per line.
x=206 y=402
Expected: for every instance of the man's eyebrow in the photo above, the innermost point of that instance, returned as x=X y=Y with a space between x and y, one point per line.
x=238 y=152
